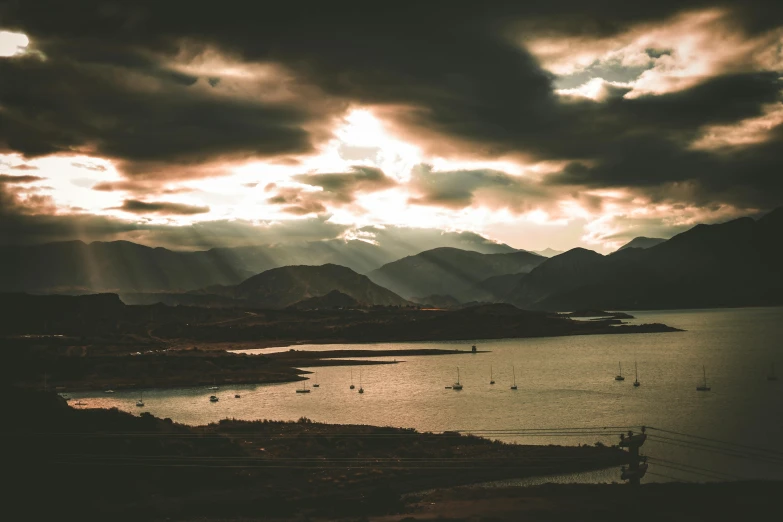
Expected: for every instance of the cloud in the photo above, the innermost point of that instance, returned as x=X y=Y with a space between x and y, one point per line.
x=88 y=166
x=5 y=178
x=161 y=207
x=24 y=167
x=463 y=188
x=316 y=193
x=297 y=201
x=34 y=219
x=343 y=187
x=134 y=186
x=153 y=122
x=666 y=54
x=666 y=104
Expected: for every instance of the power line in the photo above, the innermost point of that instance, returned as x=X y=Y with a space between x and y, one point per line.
x=754 y=448
x=669 y=477
x=773 y=459
x=697 y=468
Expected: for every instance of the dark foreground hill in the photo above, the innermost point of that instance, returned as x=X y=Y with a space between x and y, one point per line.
x=92 y=464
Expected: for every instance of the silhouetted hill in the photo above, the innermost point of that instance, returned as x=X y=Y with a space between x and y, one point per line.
x=76 y=267
x=642 y=242
x=333 y=300
x=738 y=263
x=129 y=268
x=284 y=286
x=449 y=271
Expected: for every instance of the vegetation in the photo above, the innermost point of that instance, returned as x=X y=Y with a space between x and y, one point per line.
x=108 y=463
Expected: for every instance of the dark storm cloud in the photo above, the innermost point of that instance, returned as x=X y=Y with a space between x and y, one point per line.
x=161 y=207
x=449 y=76
x=53 y=107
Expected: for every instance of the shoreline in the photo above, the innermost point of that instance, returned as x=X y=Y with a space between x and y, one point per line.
x=610 y=329
x=289 y=467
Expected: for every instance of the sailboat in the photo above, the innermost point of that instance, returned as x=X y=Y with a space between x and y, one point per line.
x=457 y=385
x=214 y=386
x=514 y=382
x=491 y=380
x=636 y=382
x=703 y=386
x=304 y=388
x=361 y=390
x=352 y=386
x=772 y=376
x=619 y=376
x=140 y=402
x=315 y=384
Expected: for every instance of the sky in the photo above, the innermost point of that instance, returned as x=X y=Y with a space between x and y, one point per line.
x=557 y=124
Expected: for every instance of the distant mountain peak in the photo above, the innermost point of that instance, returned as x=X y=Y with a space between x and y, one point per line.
x=547 y=252
x=642 y=242
x=577 y=253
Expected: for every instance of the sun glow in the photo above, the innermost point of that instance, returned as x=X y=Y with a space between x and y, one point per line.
x=12 y=44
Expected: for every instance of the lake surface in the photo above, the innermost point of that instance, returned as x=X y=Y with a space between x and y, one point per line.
x=564 y=383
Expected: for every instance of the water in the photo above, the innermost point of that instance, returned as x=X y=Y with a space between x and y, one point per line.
x=563 y=382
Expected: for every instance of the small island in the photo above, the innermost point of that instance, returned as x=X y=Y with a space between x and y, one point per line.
x=597 y=313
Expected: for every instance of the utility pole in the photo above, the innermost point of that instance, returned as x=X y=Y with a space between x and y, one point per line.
x=637 y=466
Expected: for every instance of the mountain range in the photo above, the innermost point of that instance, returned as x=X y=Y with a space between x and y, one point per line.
x=737 y=263
x=121 y=266
x=449 y=271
